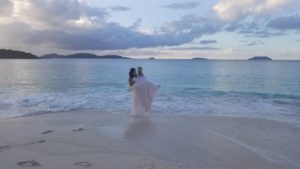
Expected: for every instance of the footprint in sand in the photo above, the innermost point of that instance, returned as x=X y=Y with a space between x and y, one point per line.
x=83 y=164
x=79 y=129
x=30 y=163
x=5 y=147
x=36 y=142
x=47 y=132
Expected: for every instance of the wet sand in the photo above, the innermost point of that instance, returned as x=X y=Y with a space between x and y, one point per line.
x=114 y=141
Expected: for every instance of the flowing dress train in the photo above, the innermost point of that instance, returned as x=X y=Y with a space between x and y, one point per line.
x=143 y=93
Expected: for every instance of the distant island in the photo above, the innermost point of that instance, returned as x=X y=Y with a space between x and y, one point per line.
x=113 y=57
x=81 y=56
x=52 y=55
x=199 y=59
x=260 y=58
x=13 y=54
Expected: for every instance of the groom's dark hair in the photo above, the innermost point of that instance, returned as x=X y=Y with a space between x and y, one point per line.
x=140 y=68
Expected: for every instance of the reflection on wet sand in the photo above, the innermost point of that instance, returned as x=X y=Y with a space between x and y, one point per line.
x=139 y=126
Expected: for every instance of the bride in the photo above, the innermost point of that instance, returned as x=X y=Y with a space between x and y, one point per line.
x=143 y=92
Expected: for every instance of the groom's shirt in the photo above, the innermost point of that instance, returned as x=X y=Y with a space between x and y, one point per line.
x=141 y=78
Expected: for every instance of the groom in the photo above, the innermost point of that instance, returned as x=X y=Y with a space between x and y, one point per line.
x=141 y=76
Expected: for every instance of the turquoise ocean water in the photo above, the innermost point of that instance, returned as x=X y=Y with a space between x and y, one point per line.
x=234 y=88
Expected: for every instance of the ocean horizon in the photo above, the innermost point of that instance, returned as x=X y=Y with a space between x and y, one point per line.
x=190 y=87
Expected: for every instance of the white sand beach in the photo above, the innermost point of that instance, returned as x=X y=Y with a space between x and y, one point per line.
x=116 y=141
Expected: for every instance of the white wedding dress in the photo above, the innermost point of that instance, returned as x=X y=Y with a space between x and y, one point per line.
x=143 y=92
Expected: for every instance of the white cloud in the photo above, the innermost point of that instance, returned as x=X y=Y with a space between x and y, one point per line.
x=231 y=10
x=82 y=22
x=54 y=14
x=268 y=5
x=5 y=7
x=74 y=25
x=195 y=25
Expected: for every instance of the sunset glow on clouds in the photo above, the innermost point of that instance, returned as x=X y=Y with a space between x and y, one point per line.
x=237 y=28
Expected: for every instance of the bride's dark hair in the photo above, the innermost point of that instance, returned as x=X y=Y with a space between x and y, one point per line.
x=131 y=73
x=131 y=76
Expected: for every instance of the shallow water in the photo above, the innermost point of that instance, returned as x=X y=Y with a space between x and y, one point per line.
x=233 y=88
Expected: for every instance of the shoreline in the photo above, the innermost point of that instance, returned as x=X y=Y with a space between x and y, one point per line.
x=104 y=140
x=155 y=114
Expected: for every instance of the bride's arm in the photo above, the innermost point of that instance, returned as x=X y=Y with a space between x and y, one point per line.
x=132 y=82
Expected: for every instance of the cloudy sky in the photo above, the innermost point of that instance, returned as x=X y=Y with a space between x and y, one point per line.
x=217 y=29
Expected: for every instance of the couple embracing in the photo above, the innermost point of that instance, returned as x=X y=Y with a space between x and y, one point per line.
x=143 y=92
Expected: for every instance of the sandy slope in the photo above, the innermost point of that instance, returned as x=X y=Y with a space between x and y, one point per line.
x=111 y=141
